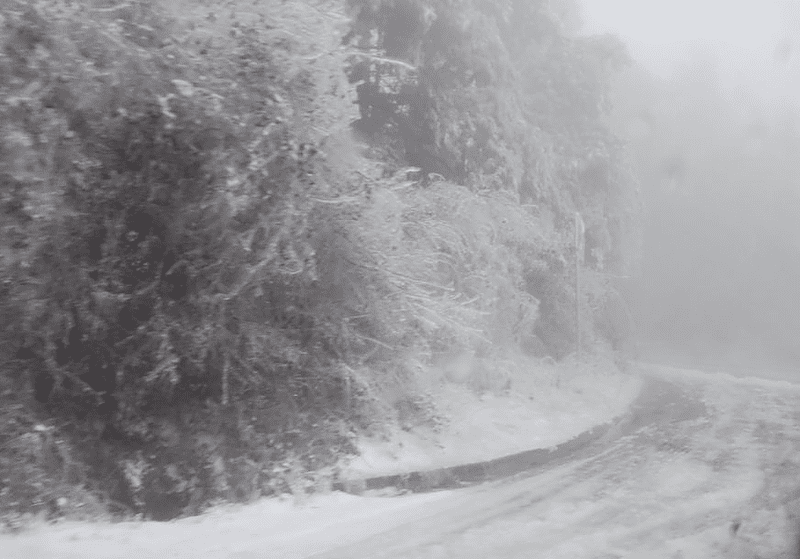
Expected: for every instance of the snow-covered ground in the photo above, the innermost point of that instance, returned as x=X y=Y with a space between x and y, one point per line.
x=666 y=491
x=544 y=407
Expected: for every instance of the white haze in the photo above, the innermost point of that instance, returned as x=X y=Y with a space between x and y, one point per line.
x=713 y=114
x=755 y=43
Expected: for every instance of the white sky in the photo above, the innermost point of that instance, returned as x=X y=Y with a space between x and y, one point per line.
x=743 y=34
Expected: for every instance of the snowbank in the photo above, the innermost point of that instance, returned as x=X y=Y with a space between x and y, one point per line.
x=544 y=407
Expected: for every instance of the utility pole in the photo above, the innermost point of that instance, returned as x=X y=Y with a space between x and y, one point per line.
x=580 y=230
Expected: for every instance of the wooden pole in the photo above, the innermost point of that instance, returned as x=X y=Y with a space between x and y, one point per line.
x=578 y=238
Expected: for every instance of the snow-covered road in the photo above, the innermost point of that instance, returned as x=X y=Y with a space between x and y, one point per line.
x=670 y=489
x=667 y=484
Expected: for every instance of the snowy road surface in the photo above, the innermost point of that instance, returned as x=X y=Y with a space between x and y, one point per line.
x=669 y=487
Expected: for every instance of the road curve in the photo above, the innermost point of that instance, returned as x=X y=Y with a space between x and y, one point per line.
x=698 y=456
x=658 y=401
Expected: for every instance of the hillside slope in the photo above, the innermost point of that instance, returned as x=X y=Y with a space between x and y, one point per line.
x=234 y=238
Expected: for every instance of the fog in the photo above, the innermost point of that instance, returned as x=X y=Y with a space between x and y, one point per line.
x=747 y=35
x=711 y=112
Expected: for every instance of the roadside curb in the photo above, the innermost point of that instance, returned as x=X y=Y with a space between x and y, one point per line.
x=464 y=475
x=657 y=399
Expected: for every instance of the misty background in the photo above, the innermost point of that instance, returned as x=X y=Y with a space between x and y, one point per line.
x=710 y=108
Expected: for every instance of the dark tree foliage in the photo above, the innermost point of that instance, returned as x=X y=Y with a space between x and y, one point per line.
x=197 y=263
x=452 y=78
x=158 y=238
x=495 y=95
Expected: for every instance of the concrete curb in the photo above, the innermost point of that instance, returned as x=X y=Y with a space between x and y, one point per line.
x=658 y=401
